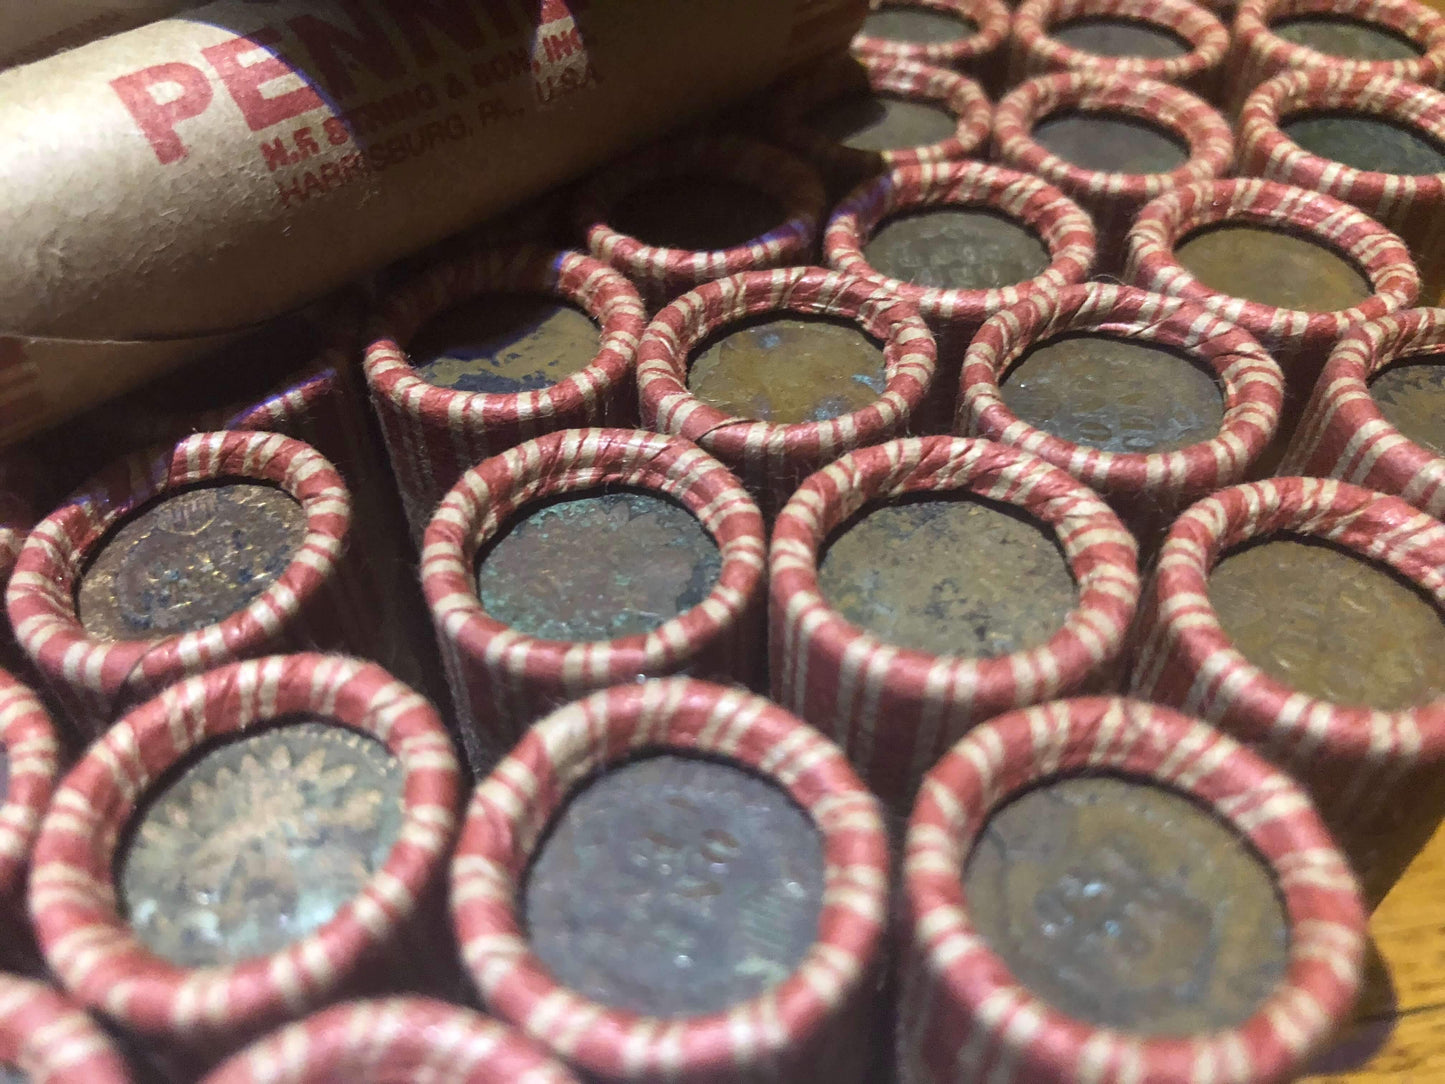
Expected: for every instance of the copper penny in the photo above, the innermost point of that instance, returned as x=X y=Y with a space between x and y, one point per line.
x=1362 y=141
x=597 y=566
x=675 y=886
x=1331 y=624
x=189 y=560
x=698 y=214
x=882 y=122
x=1411 y=396
x=1341 y=36
x=1110 y=142
x=1103 y=35
x=956 y=248
x=1273 y=267
x=259 y=842
x=1126 y=905
x=950 y=575
x=505 y=344
x=918 y=26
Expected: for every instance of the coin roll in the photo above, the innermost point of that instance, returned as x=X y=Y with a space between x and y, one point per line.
x=1149 y=400
x=965 y=1014
x=46 y=1037
x=29 y=763
x=1134 y=139
x=376 y=1042
x=1007 y=214
x=966 y=35
x=1373 y=771
x=802 y=1022
x=313 y=831
x=433 y=433
x=896 y=709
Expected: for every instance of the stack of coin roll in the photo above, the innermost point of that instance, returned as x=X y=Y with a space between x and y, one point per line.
x=46 y=1037
x=966 y=35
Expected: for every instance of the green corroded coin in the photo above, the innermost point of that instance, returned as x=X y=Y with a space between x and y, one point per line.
x=1411 y=396
x=1102 y=35
x=881 y=122
x=917 y=26
x=505 y=344
x=1110 y=142
x=1361 y=141
x=1273 y=267
x=696 y=213
x=1341 y=36
x=956 y=248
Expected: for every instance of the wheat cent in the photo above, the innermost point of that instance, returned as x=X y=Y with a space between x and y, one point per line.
x=1411 y=396
x=1365 y=142
x=1330 y=623
x=1341 y=36
x=259 y=842
x=1110 y=142
x=1126 y=905
x=881 y=122
x=959 y=248
x=1104 y=35
x=189 y=559
x=1273 y=267
x=917 y=25
x=949 y=575
x=675 y=886
x=699 y=214
x=505 y=344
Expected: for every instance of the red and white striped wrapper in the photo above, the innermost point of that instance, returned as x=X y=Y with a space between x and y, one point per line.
x=954 y=315
x=433 y=434
x=1112 y=199
x=772 y=459
x=895 y=710
x=1035 y=52
x=966 y=1018
x=386 y=1041
x=206 y=1012
x=1374 y=774
x=843 y=167
x=979 y=54
x=809 y=1027
x=51 y=1040
x=33 y=754
x=310 y=604
x=1256 y=53
x=503 y=680
x=1147 y=489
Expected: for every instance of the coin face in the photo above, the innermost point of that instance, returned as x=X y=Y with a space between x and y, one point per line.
x=1341 y=36
x=1105 y=36
x=1272 y=267
x=881 y=122
x=505 y=344
x=786 y=370
x=1331 y=624
x=1361 y=141
x=1110 y=142
x=1411 y=396
x=675 y=886
x=959 y=248
x=259 y=842
x=598 y=566
x=1127 y=906
x=696 y=213
x=189 y=560
x=1119 y=395
x=949 y=575
x=917 y=26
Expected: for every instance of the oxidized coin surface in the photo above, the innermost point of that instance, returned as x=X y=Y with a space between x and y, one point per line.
x=1411 y=396
x=699 y=214
x=675 y=886
x=1361 y=141
x=950 y=575
x=189 y=560
x=787 y=370
x=1102 y=35
x=1331 y=624
x=505 y=344
x=1128 y=906
x=881 y=122
x=1273 y=267
x=1342 y=36
x=956 y=248
x=597 y=566
x=1120 y=395
x=1110 y=142
x=918 y=26
x=260 y=842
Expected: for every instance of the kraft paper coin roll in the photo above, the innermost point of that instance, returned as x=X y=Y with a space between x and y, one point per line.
x=895 y=709
x=312 y=840
x=970 y=36
x=804 y=1016
x=32 y=33
x=309 y=144
x=1342 y=632
x=964 y=1007
x=46 y=1037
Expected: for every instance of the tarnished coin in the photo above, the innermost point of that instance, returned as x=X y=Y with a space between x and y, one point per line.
x=951 y=575
x=1127 y=906
x=1361 y=141
x=1104 y=35
x=696 y=213
x=259 y=842
x=1110 y=142
x=505 y=344
x=189 y=560
x=597 y=566
x=1411 y=396
x=1119 y=395
x=881 y=122
x=1330 y=623
x=918 y=26
x=1339 y=35
x=675 y=886
x=956 y=248
x=789 y=369
x=1273 y=267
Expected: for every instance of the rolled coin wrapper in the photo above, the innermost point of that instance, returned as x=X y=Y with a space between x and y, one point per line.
x=963 y=1010
x=375 y=1042
x=896 y=710
x=1147 y=489
x=202 y=1013
x=435 y=433
x=660 y=273
x=47 y=1037
x=804 y=1027
x=503 y=680
x=770 y=458
x=955 y=314
x=980 y=54
x=30 y=764
x=1373 y=774
x=1111 y=197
